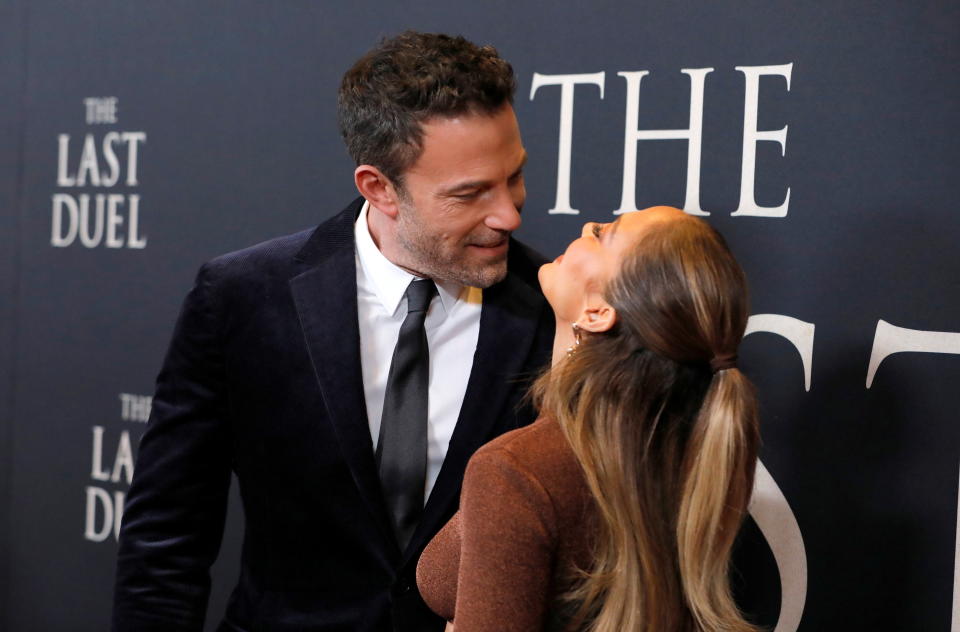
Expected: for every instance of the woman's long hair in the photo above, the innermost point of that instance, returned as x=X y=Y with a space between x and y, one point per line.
x=667 y=445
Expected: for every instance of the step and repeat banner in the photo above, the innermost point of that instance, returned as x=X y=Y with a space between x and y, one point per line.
x=139 y=139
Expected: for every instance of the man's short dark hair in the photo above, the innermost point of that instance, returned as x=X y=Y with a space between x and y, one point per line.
x=386 y=96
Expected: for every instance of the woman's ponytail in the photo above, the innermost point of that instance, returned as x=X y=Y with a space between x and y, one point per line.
x=718 y=480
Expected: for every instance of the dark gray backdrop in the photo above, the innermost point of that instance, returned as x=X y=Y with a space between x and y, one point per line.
x=236 y=101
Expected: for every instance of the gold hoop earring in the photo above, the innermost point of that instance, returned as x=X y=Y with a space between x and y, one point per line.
x=577 y=336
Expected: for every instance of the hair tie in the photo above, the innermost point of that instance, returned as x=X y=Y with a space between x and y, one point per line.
x=723 y=361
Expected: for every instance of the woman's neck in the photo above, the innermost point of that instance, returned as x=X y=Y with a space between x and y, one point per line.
x=563 y=339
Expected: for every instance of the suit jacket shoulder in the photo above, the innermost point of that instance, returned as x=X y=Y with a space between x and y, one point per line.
x=244 y=282
x=277 y=255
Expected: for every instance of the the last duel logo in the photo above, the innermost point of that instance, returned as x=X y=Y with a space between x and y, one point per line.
x=97 y=205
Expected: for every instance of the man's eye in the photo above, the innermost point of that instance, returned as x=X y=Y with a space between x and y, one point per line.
x=596 y=231
x=467 y=196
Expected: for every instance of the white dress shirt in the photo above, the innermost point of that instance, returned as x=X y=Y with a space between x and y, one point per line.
x=452 y=325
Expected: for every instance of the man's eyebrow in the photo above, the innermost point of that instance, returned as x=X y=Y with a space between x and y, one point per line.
x=472 y=185
x=465 y=187
x=523 y=163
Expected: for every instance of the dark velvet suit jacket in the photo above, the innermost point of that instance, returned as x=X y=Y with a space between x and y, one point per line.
x=263 y=379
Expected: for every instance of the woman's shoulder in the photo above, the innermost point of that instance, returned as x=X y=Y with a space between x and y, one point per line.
x=540 y=450
x=543 y=434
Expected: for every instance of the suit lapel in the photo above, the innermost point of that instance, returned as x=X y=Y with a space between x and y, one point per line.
x=325 y=296
x=508 y=321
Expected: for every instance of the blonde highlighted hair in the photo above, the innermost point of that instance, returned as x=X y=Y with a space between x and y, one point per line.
x=668 y=447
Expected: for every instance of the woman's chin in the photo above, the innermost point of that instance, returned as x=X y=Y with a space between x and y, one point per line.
x=544 y=275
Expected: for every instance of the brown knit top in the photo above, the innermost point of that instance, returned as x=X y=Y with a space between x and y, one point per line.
x=525 y=524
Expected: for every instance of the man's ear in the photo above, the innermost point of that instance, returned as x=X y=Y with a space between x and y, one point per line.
x=377 y=188
x=598 y=316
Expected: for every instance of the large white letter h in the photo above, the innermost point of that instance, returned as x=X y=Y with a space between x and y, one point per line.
x=693 y=135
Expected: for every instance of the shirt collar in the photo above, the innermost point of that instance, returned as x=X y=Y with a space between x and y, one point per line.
x=389 y=281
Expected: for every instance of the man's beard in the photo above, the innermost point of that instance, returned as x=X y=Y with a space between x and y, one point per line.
x=429 y=255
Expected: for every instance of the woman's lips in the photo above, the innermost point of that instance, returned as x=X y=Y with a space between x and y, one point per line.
x=558 y=259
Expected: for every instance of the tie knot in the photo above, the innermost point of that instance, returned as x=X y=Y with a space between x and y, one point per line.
x=419 y=295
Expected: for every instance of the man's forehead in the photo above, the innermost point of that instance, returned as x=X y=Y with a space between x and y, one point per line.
x=470 y=147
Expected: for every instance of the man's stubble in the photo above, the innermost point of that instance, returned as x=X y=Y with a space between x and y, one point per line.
x=432 y=257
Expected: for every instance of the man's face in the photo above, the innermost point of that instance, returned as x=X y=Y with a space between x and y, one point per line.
x=462 y=199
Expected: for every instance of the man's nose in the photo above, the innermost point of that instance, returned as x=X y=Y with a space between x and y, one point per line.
x=587 y=229
x=505 y=216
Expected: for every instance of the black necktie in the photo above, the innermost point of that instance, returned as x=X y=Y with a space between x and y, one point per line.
x=402 y=447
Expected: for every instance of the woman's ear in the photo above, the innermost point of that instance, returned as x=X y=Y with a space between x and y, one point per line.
x=598 y=316
x=377 y=189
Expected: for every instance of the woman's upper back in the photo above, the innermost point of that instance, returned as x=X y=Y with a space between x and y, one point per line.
x=525 y=525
